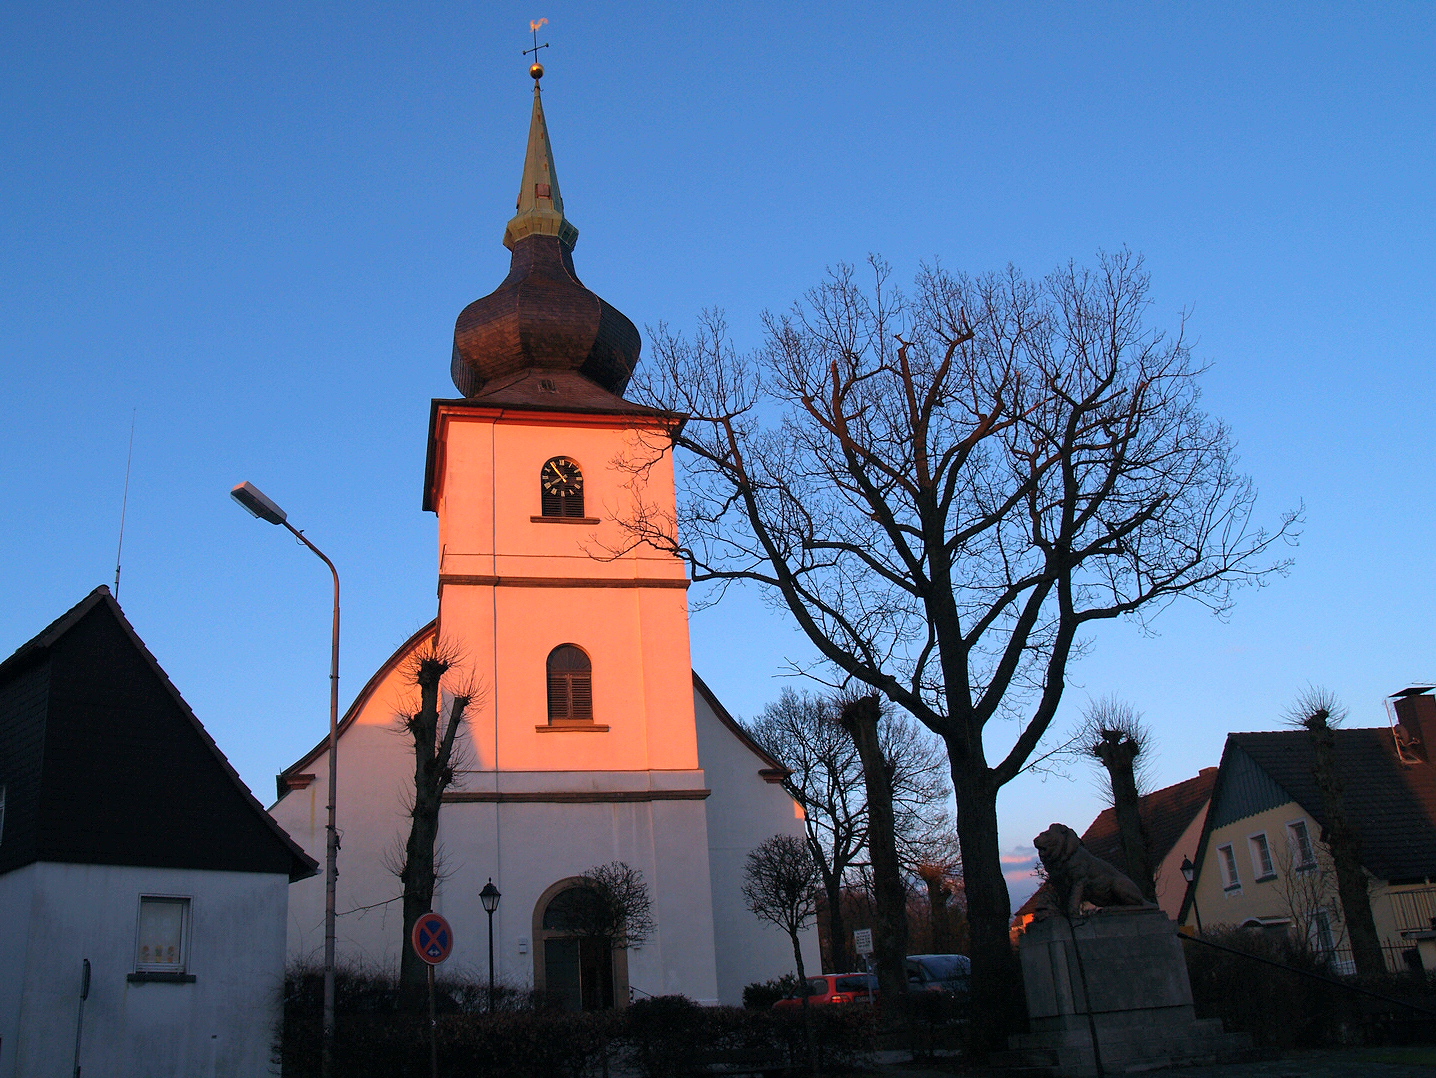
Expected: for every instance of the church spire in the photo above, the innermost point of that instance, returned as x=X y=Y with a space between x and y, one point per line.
x=542 y=318
x=540 y=204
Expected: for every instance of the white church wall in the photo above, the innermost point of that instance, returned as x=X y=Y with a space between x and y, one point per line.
x=221 y=1024
x=743 y=812
x=540 y=844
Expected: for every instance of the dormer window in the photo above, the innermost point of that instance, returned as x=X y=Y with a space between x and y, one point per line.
x=570 y=685
x=561 y=488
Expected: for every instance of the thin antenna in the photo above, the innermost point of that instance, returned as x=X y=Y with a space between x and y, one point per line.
x=125 y=504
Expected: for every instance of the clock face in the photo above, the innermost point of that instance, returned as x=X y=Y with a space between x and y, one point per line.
x=562 y=478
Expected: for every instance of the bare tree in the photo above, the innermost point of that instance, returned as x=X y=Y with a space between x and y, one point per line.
x=802 y=730
x=1308 y=892
x=1114 y=734
x=1318 y=712
x=614 y=905
x=944 y=489
x=780 y=885
x=433 y=733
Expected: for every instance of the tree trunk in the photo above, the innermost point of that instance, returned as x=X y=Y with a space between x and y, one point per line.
x=1117 y=757
x=997 y=1000
x=838 y=960
x=807 y=1014
x=1345 y=846
x=860 y=719
x=937 y=897
x=431 y=777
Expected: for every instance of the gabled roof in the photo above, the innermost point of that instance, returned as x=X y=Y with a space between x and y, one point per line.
x=775 y=771
x=356 y=706
x=1167 y=812
x=1391 y=803
x=105 y=762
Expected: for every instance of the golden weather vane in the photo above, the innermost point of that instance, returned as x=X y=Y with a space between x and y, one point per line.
x=537 y=70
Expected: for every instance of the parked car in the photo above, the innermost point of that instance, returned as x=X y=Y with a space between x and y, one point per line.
x=834 y=988
x=950 y=973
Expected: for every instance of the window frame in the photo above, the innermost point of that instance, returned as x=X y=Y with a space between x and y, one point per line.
x=1263 y=863
x=1303 y=859
x=570 y=679
x=162 y=969
x=1231 y=876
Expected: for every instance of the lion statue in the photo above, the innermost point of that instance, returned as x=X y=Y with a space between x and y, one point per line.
x=1080 y=876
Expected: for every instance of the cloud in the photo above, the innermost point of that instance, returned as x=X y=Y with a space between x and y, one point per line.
x=1019 y=865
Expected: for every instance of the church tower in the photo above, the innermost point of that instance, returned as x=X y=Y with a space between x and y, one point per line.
x=580 y=639
x=590 y=740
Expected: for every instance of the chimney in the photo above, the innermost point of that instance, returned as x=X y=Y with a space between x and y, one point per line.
x=1416 y=722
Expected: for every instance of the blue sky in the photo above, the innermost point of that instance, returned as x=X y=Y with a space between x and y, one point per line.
x=251 y=228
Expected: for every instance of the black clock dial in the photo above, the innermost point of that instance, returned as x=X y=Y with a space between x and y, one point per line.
x=562 y=478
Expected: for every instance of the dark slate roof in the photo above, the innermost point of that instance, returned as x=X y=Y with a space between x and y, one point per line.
x=1167 y=812
x=1392 y=803
x=105 y=763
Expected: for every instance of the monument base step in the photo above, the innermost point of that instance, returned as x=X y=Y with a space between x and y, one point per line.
x=1068 y=1054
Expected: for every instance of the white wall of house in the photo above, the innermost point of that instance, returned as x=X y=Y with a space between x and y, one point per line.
x=223 y=1025
x=1171 y=884
x=743 y=812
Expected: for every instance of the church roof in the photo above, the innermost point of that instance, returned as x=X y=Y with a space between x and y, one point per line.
x=105 y=763
x=542 y=317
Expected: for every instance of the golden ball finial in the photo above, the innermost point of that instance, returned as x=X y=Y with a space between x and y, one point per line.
x=536 y=71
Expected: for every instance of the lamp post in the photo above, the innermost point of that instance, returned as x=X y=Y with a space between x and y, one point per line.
x=490 y=896
x=1189 y=873
x=250 y=496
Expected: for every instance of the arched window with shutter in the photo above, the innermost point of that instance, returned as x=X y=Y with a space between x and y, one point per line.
x=570 y=685
x=561 y=488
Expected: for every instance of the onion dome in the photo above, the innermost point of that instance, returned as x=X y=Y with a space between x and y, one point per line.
x=542 y=317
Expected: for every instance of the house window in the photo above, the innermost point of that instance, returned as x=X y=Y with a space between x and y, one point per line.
x=570 y=685
x=1301 y=846
x=1261 y=858
x=1230 y=879
x=1322 y=936
x=160 y=947
x=561 y=488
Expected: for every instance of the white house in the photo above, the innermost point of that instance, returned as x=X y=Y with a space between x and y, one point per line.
x=143 y=889
x=592 y=740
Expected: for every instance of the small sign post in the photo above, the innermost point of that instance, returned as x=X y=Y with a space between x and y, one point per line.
x=433 y=941
x=863 y=944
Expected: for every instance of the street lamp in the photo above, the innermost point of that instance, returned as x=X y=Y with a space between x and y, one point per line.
x=1189 y=873
x=253 y=499
x=490 y=896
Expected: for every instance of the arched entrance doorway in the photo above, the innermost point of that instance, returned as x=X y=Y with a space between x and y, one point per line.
x=574 y=970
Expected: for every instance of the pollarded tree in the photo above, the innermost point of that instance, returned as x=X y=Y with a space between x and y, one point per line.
x=1115 y=735
x=1319 y=713
x=802 y=730
x=433 y=729
x=944 y=489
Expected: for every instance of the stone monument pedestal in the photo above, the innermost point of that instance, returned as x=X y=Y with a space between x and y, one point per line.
x=1119 y=974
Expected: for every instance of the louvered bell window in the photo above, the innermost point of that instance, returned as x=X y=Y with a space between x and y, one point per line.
x=561 y=488
x=570 y=685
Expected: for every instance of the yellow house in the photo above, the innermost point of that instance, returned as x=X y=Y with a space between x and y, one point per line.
x=1261 y=863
